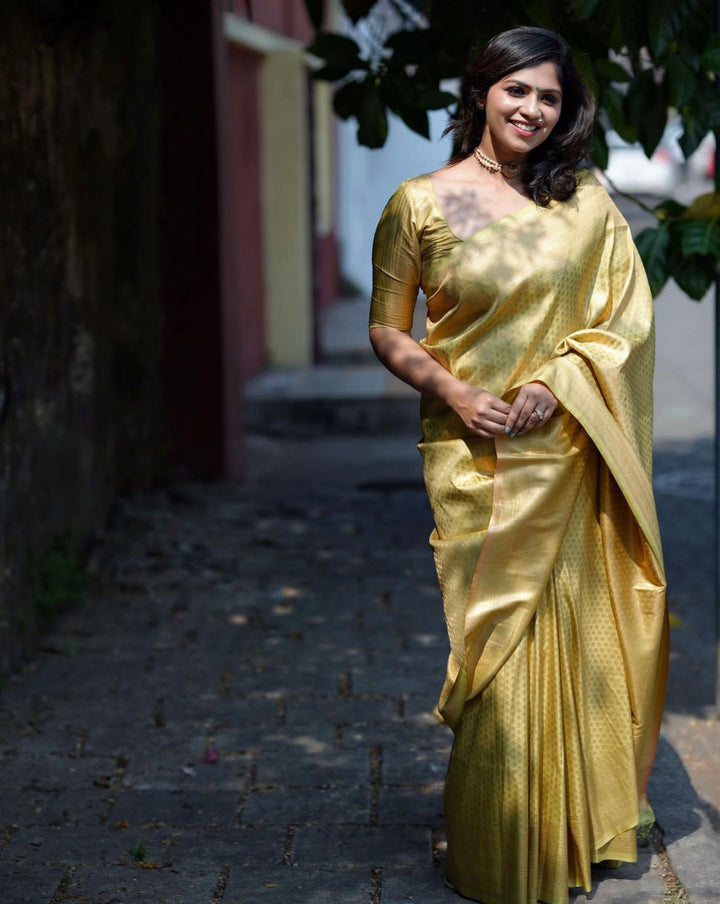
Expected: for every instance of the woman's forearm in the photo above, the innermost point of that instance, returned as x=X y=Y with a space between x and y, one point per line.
x=481 y=411
x=409 y=361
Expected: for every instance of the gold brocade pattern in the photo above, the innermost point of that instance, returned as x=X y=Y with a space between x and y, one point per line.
x=546 y=545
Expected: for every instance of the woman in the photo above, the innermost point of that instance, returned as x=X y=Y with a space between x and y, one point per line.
x=536 y=382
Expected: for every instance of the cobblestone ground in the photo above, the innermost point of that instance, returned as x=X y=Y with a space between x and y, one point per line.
x=240 y=709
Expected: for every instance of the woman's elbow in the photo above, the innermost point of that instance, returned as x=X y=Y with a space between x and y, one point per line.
x=384 y=339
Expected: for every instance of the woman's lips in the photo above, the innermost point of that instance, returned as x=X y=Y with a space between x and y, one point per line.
x=525 y=129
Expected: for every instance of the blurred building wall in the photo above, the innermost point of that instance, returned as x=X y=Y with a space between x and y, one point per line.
x=80 y=314
x=296 y=228
x=167 y=191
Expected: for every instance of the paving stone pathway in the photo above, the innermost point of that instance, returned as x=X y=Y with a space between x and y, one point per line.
x=240 y=709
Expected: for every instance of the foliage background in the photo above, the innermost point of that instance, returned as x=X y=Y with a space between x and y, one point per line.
x=645 y=60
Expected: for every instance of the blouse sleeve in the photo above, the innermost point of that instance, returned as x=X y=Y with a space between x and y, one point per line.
x=396 y=263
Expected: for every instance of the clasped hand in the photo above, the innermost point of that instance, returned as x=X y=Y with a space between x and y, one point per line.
x=488 y=415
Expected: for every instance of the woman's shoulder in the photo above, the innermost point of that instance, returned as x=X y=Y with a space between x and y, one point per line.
x=412 y=189
x=413 y=201
x=590 y=186
x=593 y=196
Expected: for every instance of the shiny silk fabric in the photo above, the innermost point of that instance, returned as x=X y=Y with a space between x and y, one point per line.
x=546 y=545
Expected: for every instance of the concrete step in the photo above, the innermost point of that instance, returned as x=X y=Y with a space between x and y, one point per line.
x=330 y=399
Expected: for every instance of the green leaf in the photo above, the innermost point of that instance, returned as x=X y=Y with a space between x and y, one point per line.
x=417 y=120
x=662 y=24
x=695 y=275
x=581 y=9
x=411 y=46
x=315 y=9
x=435 y=99
x=711 y=54
x=598 y=148
x=396 y=89
x=680 y=80
x=544 y=13
x=613 y=103
x=669 y=210
x=349 y=99
x=357 y=9
x=699 y=237
x=372 y=117
x=693 y=133
x=584 y=65
x=647 y=107
x=337 y=50
x=610 y=71
x=704 y=207
x=331 y=73
x=654 y=247
x=632 y=18
x=679 y=26
x=701 y=115
x=694 y=20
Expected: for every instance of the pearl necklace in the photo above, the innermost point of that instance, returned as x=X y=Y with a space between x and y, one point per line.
x=509 y=170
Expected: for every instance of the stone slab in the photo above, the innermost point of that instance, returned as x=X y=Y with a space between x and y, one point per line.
x=303 y=765
x=135 y=884
x=327 y=806
x=59 y=846
x=53 y=808
x=413 y=805
x=634 y=883
x=179 y=807
x=417 y=766
x=246 y=846
x=338 y=846
x=417 y=886
x=23 y=883
x=292 y=885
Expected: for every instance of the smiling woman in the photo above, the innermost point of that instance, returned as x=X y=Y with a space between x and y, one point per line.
x=536 y=382
x=518 y=116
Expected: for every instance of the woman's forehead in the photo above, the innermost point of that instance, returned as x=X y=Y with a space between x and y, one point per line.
x=544 y=76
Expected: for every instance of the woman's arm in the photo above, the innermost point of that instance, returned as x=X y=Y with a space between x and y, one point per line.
x=481 y=411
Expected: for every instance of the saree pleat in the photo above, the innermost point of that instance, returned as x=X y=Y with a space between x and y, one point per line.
x=546 y=545
x=542 y=777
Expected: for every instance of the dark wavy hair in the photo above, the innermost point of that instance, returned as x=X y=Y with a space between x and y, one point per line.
x=550 y=174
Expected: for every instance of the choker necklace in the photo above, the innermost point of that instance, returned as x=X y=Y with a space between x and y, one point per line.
x=509 y=170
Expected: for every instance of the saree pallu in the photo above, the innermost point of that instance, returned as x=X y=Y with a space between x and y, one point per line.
x=546 y=545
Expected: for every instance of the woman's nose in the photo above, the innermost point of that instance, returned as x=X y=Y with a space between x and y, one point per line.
x=531 y=107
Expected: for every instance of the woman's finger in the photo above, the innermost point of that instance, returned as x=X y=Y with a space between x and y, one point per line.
x=496 y=417
x=540 y=414
x=524 y=417
x=516 y=411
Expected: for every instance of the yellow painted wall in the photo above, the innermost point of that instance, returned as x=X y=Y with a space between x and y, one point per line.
x=286 y=208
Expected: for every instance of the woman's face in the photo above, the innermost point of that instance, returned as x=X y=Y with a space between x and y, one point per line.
x=521 y=110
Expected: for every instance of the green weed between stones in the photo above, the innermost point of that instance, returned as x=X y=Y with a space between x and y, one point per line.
x=138 y=853
x=58 y=580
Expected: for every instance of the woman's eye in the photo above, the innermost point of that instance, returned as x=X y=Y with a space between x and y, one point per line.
x=550 y=99
x=515 y=91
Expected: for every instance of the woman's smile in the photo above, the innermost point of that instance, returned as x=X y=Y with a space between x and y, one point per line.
x=525 y=128
x=521 y=110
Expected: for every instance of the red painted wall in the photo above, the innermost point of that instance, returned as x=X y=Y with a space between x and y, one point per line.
x=192 y=345
x=245 y=179
x=327 y=271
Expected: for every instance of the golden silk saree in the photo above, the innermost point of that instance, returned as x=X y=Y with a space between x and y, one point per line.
x=547 y=545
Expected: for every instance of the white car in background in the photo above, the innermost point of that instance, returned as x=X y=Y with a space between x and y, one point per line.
x=629 y=170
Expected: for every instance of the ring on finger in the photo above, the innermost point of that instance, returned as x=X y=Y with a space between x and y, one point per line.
x=539 y=414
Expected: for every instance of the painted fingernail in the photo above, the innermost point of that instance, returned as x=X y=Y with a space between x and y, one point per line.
x=512 y=435
x=507 y=430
